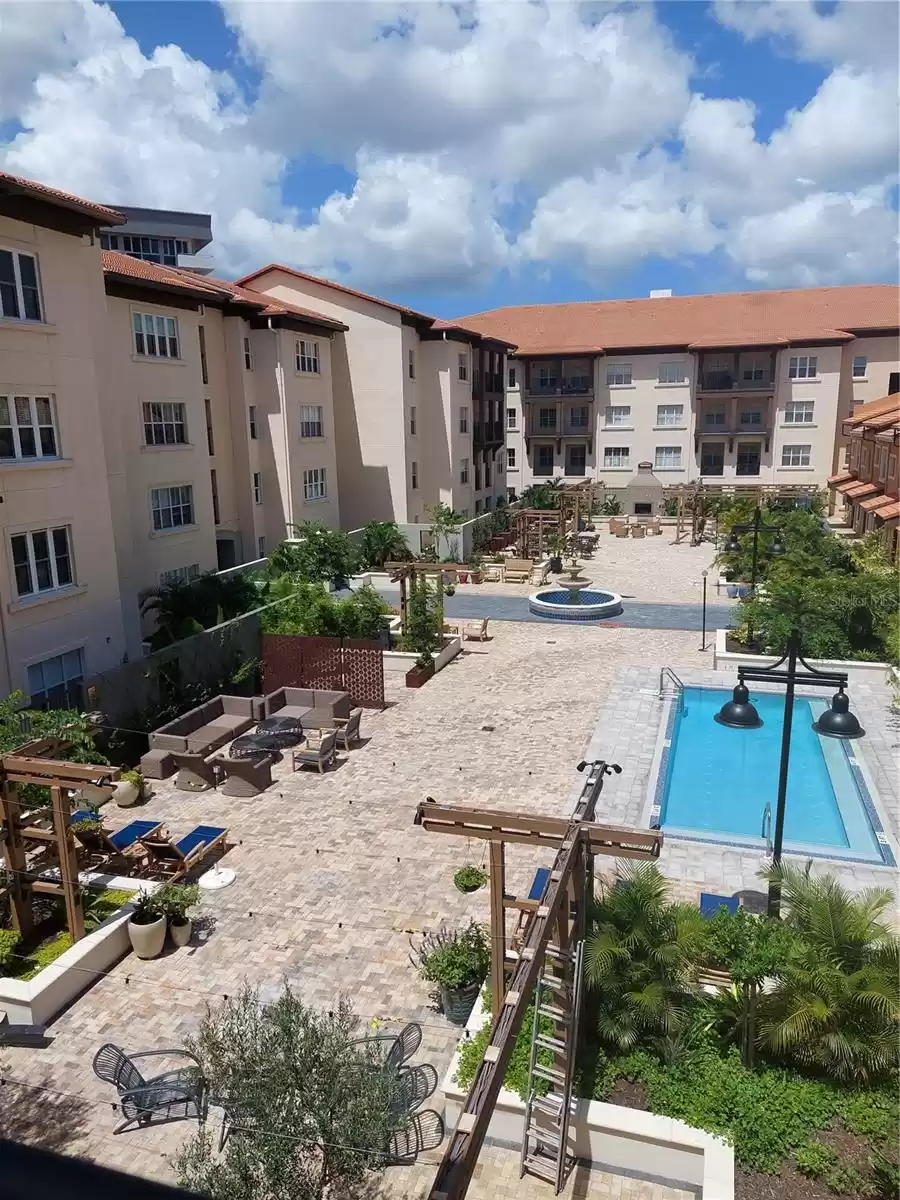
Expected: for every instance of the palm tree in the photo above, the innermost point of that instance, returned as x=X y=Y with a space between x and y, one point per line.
x=381 y=541
x=188 y=607
x=640 y=958
x=834 y=1007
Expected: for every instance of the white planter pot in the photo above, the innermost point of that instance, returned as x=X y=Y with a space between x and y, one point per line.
x=147 y=941
x=181 y=934
x=126 y=793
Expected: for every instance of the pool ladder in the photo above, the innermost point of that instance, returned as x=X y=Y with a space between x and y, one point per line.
x=766 y=830
x=667 y=673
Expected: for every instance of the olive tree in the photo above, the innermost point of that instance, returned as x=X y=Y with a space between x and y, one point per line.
x=308 y=1105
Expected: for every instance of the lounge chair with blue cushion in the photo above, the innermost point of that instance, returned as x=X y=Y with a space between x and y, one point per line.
x=710 y=904
x=122 y=847
x=172 y=859
x=538 y=887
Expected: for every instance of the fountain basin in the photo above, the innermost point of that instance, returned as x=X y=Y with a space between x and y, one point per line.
x=581 y=603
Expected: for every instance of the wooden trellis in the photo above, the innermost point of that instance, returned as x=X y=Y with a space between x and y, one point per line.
x=694 y=502
x=38 y=845
x=408 y=573
x=534 y=526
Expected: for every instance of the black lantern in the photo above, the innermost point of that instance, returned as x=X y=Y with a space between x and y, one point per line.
x=777 y=547
x=739 y=713
x=733 y=546
x=838 y=721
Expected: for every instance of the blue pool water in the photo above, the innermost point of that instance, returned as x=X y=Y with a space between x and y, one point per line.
x=719 y=780
x=582 y=597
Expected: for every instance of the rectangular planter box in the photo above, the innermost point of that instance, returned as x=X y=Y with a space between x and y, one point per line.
x=727 y=660
x=615 y=1139
x=37 y=1001
x=403 y=660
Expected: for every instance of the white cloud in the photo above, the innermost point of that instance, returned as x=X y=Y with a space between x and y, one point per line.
x=860 y=33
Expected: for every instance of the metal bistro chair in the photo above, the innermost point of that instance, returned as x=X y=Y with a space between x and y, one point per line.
x=415 y=1085
x=178 y=1095
x=424 y=1132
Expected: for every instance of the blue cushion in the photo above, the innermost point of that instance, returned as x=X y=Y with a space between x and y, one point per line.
x=132 y=833
x=539 y=883
x=710 y=904
x=83 y=814
x=199 y=835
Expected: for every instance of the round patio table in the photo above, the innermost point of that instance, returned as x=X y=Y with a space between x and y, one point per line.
x=252 y=745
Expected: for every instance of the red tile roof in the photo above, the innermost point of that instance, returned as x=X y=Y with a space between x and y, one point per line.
x=185 y=282
x=855 y=491
x=841 y=477
x=16 y=185
x=697 y=322
x=874 y=503
x=865 y=414
x=338 y=287
x=890 y=512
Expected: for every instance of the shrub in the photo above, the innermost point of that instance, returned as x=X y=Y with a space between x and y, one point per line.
x=471 y=1052
x=9 y=941
x=382 y=542
x=309 y=610
x=815 y=1159
x=454 y=958
x=318 y=555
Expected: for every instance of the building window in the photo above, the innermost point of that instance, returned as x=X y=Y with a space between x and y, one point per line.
x=799 y=412
x=618 y=414
x=462 y=366
x=411 y=364
x=248 y=355
x=57 y=682
x=251 y=418
x=261 y=546
x=670 y=414
x=510 y=418
x=576 y=460
x=500 y=463
x=487 y=471
x=214 y=488
x=179 y=575
x=618 y=375
x=311 y=420
x=464 y=470
x=20 y=293
x=671 y=372
x=164 y=424
x=204 y=368
x=155 y=336
x=464 y=419
x=412 y=418
x=616 y=456
x=795 y=456
x=510 y=459
x=477 y=507
x=547 y=418
x=803 y=367
x=42 y=560
x=748 y=457
x=511 y=377
x=27 y=428
x=414 y=475
x=859 y=366
x=210 y=443
x=307 y=357
x=714 y=417
x=667 y=458
x=314 y=486
x=257 y=487
x=751 y=417
x=712 y=459
x=173 y=507
x=154 y=249
x=477 y=475
x=753 y=371
x=881 y=455
x=578 y=417
x=543 y=460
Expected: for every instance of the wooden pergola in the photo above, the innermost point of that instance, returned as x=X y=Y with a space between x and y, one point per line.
x=38 y=845
x=408 y=573
x=693 y=501
x=534 y=526
x=577 y=500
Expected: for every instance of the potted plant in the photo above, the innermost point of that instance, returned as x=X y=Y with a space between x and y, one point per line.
x=556 y=544
x=129 y=789
x=475 y=564
x=420 y=672
x=174 y=900
x=449 y=589
x=469 y=879
x=457 y=961
x=147 y=926
x=463 y=575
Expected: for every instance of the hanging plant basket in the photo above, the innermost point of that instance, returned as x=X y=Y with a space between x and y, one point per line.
x=469 y=879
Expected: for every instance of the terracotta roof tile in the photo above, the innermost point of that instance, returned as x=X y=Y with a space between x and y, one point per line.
x=855 y=491
x=874 y=503
x=40 y=191
x=729 y=319
x=874 y=408
x=890 y=512
x=841 y=477
x=338 y=287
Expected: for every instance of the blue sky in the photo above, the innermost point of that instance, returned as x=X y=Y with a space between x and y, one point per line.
x=508 y=153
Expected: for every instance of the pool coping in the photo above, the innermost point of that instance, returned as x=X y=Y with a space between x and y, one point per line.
x=860 y=769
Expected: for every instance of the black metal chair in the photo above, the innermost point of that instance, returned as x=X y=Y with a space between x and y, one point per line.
x=177 y=1095
x=414 y=1086
x=424 y=1132
x=395 y=1049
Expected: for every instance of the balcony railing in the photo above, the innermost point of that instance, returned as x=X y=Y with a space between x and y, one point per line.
x=488 y=433
x=556 y=387
x=726 y=381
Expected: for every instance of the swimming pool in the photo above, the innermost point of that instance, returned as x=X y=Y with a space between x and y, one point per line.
x=714 y=782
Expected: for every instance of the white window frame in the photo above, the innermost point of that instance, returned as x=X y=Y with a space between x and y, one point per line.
x=721 y=419
x=667 y=452
x=315 y=485
x=511 y=377
x=463 y=470
x=671 y=373
x=805 y=409
x=547 y=417
x=618 y=375
x=462 y=367
x=881 y=460
x=261 y=546
x=511 y=419
x=411 y=363
x=803 y=366
x=179 y=575
x=412 y=420
x=617 y=416
x=585 y=411
x=70 y=700
x=19 y=287
x=464 y=418
x=248 y=355
x=158 y=338
x=306 y=355
x=752 y=412
x=163 y=417
x=616 y=457
x=312 y=421
x=801 y=451
x=35 y=423
x=251 y=422
x=511 y=458
x=52 y=560
x=257 y=487
x=180 y=503
x=665 y=411
x=414 y=475
x=859 y=375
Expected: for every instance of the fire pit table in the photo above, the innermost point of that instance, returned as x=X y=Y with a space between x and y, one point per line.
x=274 y=733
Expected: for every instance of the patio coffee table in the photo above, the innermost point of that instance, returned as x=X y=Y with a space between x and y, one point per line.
x=252 y=745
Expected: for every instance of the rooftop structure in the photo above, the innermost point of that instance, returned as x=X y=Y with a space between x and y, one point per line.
x=159 y=235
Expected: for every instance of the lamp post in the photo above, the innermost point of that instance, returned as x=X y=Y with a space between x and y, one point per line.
x=703 y=639
x=733 y=546
x=838 y=722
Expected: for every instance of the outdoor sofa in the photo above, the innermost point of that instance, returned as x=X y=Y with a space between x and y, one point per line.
x=315 y=709
x=205 y=728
